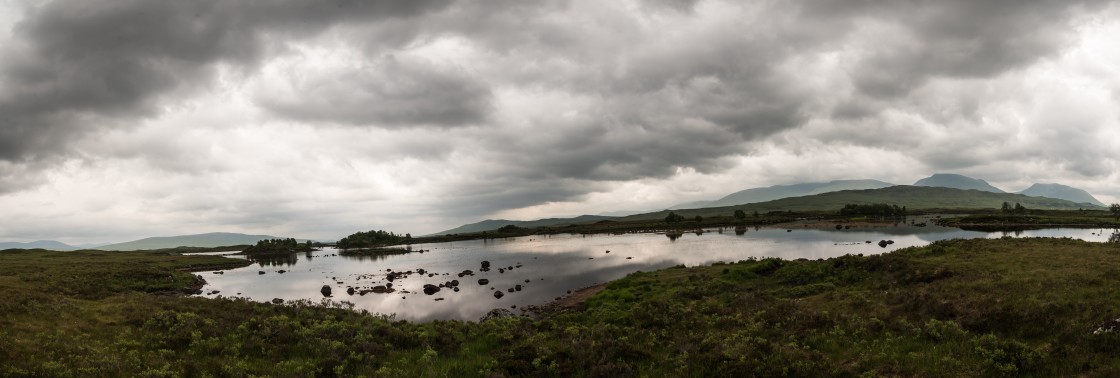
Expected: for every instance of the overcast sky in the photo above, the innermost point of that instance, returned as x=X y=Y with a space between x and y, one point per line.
x=314 y=119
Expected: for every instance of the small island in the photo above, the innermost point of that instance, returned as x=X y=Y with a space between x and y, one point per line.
x=277 y=247
x=373 y=243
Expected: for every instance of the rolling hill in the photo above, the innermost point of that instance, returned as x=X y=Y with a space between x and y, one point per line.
x=1060 y=191
x=494 y=224
x=955 y=181
x=912 y=197
x=776 y=192
x=213 y=239
x=43 y=244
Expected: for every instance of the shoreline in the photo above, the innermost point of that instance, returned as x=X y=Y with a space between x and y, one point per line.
x=576 y=301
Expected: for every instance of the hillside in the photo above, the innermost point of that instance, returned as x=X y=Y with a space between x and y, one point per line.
x=1060 y=191
x=494 y=224
x=776 y=192
x=41 y=244
x=213 y=239
x=912 y=197
x=949 y=180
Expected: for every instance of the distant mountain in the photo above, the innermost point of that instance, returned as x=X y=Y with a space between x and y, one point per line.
x=1060 y=191
x=771 y=193
x=213 y=239
x=955 y=181
x=622 y=213
x=44 y=244
x=494 y=224
x=912 y=197
x=691 y=205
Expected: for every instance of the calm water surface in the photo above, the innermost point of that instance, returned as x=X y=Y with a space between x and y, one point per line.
x=553 y=265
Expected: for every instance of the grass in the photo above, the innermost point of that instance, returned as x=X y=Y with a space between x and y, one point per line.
x=995 y=220
x=1004 y=307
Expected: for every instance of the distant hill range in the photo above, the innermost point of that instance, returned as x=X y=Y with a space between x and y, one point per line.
x=949 y=180
x=213 y=239
x=770 y=193
x=43 y=244
x=941 y=191
x=912 y=197
x=1061 y=192
x=494 y=224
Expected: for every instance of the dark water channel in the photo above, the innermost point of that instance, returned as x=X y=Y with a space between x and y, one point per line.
x=547 y=267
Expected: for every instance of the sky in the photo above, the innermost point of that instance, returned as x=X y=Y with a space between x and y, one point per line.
x=123 y=119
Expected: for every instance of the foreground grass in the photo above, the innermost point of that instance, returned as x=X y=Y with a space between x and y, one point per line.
x=1039 y=307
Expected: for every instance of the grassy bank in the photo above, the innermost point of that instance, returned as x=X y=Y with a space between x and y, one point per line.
x=1033 y=219
x=955 y=308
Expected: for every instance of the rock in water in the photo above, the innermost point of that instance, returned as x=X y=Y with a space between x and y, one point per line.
x=326 y=290
x=498 y=294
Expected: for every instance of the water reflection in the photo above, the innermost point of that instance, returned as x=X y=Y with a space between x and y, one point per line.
x=548 y=267
x=277 y=260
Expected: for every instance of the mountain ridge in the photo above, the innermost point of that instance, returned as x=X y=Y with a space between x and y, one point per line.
x=956 y=181
x=493 y=224
x=775 y=192
x=910 y=196
x=207 y=240
x=1059 y=191
x=52 y=245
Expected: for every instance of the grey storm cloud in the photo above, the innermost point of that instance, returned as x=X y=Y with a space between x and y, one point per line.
x=77 y=67
x=653 y=97
x=388 y=92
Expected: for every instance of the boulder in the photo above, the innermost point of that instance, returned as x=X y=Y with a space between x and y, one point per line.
x=483 y=281
x=498 y=294
x=430 y=289
x=326 y=290
x=497 y=313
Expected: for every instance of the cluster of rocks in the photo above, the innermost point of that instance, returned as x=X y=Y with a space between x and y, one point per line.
x=428 y=288
x=885 y=243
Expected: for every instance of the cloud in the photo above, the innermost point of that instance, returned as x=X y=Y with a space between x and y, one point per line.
x=72 y=69
x=453 y=110
x=385 y=92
